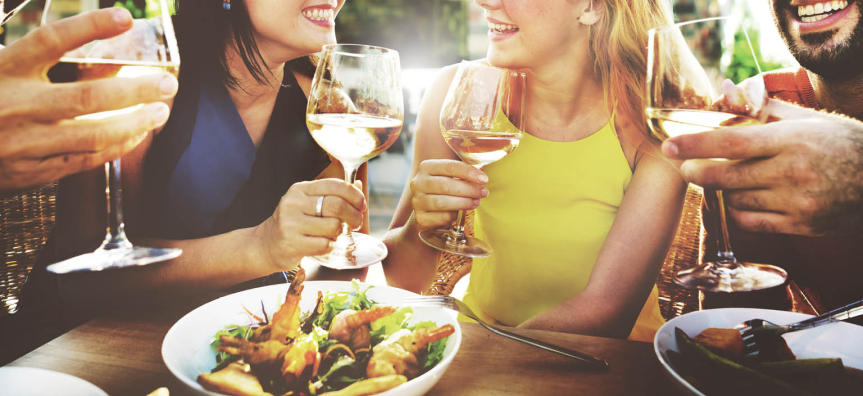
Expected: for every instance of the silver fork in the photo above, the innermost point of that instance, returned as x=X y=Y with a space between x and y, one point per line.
x=457 y=305
x=751 y=328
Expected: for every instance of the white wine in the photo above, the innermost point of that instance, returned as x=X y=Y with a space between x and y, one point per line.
x=481 y=148
x=666 y=123
x=353 y=138
x=73 y=69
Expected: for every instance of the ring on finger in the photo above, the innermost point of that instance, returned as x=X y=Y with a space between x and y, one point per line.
x=319 y=206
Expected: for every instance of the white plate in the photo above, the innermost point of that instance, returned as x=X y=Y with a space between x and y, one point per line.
x=28 y=381
x=186 y=349
x=837 y=340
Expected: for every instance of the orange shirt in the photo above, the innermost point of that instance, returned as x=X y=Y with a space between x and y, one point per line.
x=828 y=270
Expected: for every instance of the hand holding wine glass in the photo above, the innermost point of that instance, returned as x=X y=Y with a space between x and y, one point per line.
x=149 y=48
x=482 y=120
x=42 y=140
x=687 y=62
x=355 y=112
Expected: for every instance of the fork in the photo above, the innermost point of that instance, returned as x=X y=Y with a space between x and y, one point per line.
x=750 y=328
x=459 y=306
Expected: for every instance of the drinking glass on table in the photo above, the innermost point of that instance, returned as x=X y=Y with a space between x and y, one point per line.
x=149 y=47
x=482 y=120
x=355 y=112
x=688 y=65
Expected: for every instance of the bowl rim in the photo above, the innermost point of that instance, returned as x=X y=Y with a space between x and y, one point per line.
x=435 y=372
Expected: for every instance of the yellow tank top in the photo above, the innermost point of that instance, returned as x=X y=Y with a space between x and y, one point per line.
x=549 y=210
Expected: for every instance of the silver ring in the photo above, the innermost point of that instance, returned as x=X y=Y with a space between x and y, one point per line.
x=319 y=206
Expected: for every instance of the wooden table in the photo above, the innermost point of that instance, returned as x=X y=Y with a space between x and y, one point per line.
x=121 y=354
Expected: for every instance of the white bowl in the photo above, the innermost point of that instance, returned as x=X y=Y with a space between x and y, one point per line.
x=186 y=349
x=836 y=340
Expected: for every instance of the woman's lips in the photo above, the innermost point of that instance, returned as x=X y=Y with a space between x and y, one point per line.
x=321 y=15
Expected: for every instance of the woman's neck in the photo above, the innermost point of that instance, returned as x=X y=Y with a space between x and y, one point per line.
x=250 y=91
x=565 y=94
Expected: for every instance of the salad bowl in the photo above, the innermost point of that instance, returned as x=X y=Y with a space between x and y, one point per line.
x=187 y=349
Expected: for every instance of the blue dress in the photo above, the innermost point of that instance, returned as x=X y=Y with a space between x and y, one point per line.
x=203 y=176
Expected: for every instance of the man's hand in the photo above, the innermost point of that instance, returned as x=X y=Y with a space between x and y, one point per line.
x=41 y=140
x=800 y=175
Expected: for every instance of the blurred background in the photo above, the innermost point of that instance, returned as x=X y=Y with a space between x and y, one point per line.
x=428 y=34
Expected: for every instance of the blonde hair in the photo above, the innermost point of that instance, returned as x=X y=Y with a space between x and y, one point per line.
x=618 y=42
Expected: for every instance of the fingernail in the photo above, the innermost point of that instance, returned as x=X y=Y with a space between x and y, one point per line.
x=483 y=179
x=168 y=86
x=475 y=203
x=483 y=193
x=121 y=15
x=159 y=112
x=670 y=149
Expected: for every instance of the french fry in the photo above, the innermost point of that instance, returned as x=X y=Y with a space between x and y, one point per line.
x=370 y=386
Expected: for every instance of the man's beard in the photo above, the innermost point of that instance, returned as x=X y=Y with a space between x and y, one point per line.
x=842 y=63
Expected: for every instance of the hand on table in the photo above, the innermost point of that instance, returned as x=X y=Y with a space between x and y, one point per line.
x=443 y=187
x=42 y=140
x=800 y=175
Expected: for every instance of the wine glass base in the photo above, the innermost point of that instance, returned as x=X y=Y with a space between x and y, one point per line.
x=103 y=259
x=368 y=250
x=469 y=246
x=743 y=278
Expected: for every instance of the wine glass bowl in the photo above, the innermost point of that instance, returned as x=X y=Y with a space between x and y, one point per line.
x=355 y=112
x=149 y=47
x=482 y=120
x=686 y=64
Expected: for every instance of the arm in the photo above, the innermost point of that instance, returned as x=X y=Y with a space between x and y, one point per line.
x=41 y=139
x=801 y=175
x=630 y=258
x=217 y=262
x=431 y=199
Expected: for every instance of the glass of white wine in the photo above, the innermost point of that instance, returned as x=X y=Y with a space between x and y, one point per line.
x=355 y=112
x=149 y=47
x=482 y=120
x=687 y=64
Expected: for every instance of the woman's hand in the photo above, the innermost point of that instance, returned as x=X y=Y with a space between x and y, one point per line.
x=443 y=187
x=298 y=229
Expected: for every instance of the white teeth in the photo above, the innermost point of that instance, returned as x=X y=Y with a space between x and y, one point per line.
x=820 y=8
x=500 y=28
x=320 y=15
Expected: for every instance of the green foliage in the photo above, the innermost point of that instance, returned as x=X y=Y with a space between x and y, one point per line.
x=136 y=12
x=427 y=33
x=742 y=64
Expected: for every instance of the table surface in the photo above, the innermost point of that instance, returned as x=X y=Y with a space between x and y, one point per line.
x=121 y=353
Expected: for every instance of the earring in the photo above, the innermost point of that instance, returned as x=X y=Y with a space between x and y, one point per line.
x=226 y=5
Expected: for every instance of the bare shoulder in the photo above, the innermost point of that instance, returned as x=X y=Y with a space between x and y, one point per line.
x=633 y=139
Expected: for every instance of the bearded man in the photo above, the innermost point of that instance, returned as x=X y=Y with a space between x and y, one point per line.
x=794 y=188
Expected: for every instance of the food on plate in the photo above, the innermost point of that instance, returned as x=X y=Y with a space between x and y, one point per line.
x=723 y=342
x=715 y=374
x=346 y=345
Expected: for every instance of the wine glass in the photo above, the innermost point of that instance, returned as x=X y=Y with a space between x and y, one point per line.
x=482 y=120
x=686 y=63
x=8 y=8
x=355 y=112
x=149 y=47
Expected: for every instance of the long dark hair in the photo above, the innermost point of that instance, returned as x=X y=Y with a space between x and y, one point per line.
x=205 y=30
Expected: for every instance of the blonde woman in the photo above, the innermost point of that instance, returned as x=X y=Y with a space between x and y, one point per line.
x=581 y=215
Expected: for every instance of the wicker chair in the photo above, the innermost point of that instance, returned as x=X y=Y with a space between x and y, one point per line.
x=25 y=222
x=685 y=252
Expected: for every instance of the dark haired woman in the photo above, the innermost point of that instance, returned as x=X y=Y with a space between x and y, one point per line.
x=234 y=178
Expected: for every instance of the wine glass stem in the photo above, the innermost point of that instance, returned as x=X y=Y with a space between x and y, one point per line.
x=350 y=178
x=716 y=207
x=456 y=233
x=115 y=237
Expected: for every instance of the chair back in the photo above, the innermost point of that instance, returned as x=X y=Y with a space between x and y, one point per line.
x=686 y=251
x=26 y=220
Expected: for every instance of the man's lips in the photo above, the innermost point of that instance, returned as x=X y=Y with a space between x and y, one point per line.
x=816 y=17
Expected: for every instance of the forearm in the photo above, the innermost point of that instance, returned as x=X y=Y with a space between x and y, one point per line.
x=206 y=265
x=586 y=314
x=410 y=264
